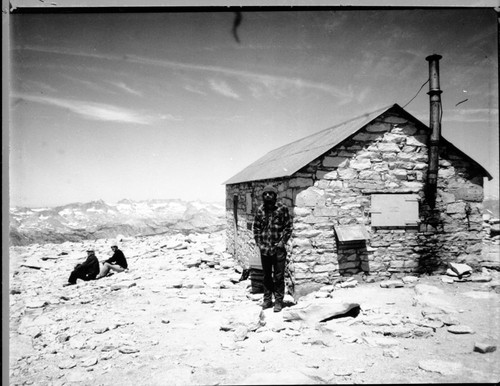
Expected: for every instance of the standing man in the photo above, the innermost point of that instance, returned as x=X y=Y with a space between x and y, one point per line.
x=272 y=228
x=117 y=262
x=87 y=270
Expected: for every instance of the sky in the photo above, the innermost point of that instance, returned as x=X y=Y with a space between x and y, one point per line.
x=162 y=105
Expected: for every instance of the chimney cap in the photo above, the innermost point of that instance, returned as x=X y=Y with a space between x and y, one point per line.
x=433 y=57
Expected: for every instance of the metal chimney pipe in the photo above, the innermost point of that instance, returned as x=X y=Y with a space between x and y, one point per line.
x=435 y=126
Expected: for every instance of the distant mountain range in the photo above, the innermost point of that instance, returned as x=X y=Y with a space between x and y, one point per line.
x=97 y=219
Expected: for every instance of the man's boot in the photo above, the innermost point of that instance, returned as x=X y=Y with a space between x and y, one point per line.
x=278 y=306
x=267 y=303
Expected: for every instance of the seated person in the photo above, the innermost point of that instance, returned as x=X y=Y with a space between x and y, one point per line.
x=86 y=270
x=117 y=263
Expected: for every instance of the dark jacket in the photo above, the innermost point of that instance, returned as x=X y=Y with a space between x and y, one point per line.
x=118 y=258
x=90 y=267
x=272 y=226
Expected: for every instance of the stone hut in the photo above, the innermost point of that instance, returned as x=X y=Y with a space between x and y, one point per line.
x=359 y=199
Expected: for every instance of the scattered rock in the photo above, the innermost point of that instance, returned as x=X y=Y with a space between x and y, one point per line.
x=240 y=334
x=391 y=353
x=446 y=279
x=251 y=318
x=101 y=329
x=460 y=329
x=460 y=269
x=36 y=304
x=128 y=350
x=66 y=364
x=451 y=272
x=484 y=347
x=480 y=278
x=342 y=372
x=321 y=310
x=439 y=366
x=392 y=284
x=381 y=341
x=349 y=284
x=266 y=338
x=89 y=362
x=410 y=279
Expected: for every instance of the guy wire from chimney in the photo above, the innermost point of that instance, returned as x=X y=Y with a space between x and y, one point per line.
x=420 y=89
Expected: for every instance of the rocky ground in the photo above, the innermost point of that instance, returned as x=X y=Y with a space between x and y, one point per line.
x=180 y=316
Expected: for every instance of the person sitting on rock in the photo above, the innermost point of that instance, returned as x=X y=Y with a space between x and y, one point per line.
x=87 y=270
x=117 y=263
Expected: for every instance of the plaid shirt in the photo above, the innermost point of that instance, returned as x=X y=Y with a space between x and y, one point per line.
x=271 y=228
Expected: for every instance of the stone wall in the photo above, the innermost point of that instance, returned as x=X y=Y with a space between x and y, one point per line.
x=388 y=156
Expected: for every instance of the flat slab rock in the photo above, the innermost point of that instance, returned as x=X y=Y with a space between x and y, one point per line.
x=460 y=329
x=441 y=367
x=392 y=284
x=318 y=311
x=460 y=269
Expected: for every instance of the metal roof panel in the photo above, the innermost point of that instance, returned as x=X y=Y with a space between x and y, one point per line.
x=288 y=159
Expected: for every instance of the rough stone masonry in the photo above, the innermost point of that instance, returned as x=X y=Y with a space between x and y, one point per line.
x=388 y=156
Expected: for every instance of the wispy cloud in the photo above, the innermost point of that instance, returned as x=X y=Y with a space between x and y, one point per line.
x=92 y=110
x=471 y=115
x=96 y=86
x=170 y=117
x=268 y=81
x=195 y=90
x=37 y=85
x=124 y=87
x=221 y=87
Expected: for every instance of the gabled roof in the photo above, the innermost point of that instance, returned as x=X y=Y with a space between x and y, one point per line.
x=288 y=159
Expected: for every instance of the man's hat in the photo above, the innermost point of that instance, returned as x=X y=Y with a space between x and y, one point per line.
x=270 y=188
x=90 y=250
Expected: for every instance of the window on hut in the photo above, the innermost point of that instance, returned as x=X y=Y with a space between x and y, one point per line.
x=394 y=210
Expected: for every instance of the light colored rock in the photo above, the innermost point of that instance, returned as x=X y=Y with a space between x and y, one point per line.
x=66 y=364
x=392 y=284
x=381 y=341
x=447 y=279
x=349 y=284
x=317 y=311
x=251 y=317
x=391 y=353
x=460 y=329
x=89 y=362
x=485 y=347
x=451 y=272
x=410 y=279
x=128 y=350
x=460 y=269
x=240 y=333
x=442 y=367
x=360 y=164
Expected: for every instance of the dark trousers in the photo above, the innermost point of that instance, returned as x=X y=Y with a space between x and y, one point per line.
x=83 y=274
x=273 y=266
